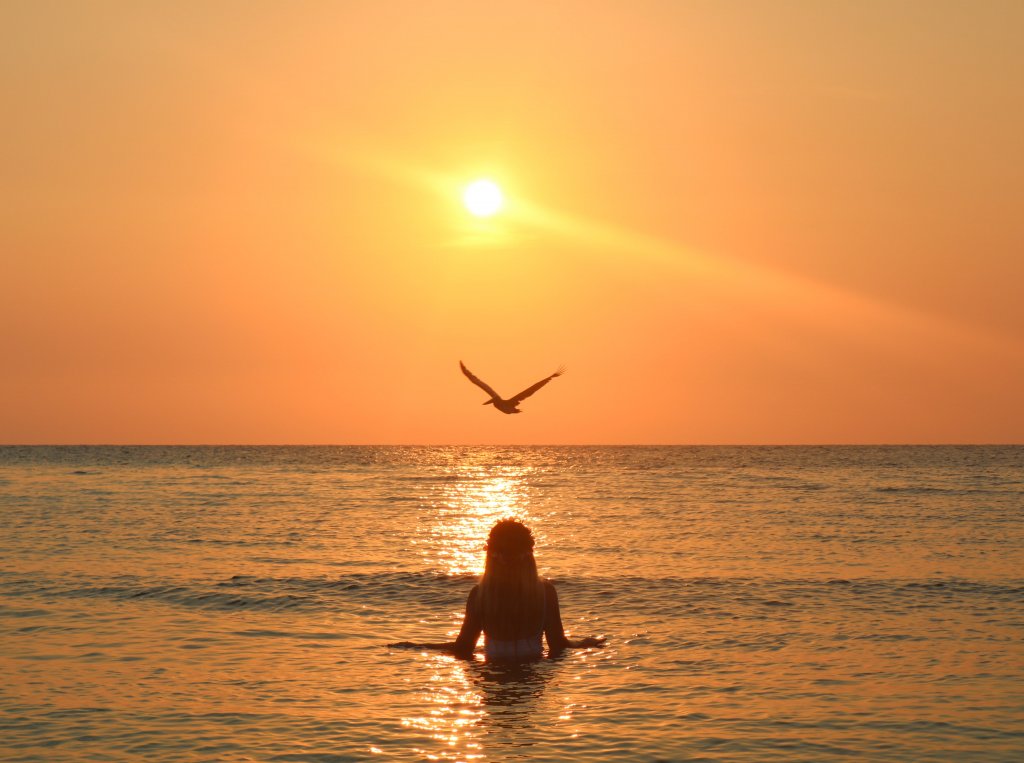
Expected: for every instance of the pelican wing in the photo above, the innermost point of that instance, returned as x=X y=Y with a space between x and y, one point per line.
x=530 y=390
x=477 y=382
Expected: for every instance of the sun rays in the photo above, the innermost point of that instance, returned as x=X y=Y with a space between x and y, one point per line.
x=796 y=298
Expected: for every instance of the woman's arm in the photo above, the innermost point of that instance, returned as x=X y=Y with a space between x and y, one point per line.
x=553 y=629
x=465 y=643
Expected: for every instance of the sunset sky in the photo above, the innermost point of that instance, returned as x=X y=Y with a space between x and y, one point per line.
x=734 y=222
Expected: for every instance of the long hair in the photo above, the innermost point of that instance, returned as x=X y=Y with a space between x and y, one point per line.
x=511 y=595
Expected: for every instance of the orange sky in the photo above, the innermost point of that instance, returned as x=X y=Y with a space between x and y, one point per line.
x=735 y=222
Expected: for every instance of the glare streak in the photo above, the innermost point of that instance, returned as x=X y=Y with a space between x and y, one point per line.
x=806 y=300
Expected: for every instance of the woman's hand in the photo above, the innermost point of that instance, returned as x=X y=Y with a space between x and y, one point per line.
x=589 y=641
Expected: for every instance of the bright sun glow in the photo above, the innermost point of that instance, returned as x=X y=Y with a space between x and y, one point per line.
x=483 y=198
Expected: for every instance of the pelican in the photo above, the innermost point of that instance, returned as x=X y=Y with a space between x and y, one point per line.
x=510 y=405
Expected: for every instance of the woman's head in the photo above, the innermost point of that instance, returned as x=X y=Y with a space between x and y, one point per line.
x=509 y=542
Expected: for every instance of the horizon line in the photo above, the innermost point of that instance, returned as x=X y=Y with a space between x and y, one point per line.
x=509 y=445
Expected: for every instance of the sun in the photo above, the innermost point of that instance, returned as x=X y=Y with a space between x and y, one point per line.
x=483 y=198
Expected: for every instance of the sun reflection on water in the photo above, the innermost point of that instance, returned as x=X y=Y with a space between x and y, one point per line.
x=453 y=710
x=476 y=710
x=468 y=506
x=468 y=706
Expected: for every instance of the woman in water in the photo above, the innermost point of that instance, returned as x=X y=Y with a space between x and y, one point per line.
x=512 y=605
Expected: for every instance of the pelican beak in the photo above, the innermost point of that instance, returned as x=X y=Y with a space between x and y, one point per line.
x=489 y=402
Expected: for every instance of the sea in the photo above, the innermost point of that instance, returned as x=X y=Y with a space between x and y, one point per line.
x=759 y=603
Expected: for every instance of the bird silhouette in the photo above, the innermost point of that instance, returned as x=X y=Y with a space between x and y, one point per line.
x=512 y=404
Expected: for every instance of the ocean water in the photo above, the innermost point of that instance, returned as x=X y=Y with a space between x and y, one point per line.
x=235 y=603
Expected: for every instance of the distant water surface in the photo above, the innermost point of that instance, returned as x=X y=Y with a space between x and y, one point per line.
x=234 y=604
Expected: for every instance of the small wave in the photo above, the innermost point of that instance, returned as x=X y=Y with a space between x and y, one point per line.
x=187 y=596
x=11 y=612
x=252 y=593
x=886 y=637
x=932 y=490
x=308 y=635
x=434 y=591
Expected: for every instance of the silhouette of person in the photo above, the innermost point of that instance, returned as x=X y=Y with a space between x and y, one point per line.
x=511 y=605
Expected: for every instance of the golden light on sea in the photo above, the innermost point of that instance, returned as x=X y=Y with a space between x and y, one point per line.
x=468 y=507
x=452 y=713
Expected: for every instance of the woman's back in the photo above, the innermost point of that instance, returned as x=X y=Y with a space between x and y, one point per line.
x=508 y=638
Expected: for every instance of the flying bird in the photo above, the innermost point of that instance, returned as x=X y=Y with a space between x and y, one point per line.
x=510 y=405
